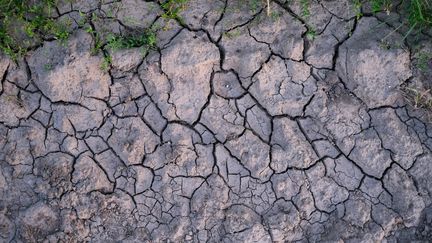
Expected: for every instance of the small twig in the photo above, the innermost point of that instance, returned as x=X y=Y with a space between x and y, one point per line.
x=391 y=32
x=268 y=7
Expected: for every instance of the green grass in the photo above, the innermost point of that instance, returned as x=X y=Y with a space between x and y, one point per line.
x=172 y=9
x=424 y=60
x=420 y=13
x=380 y=5
x=146 y=40
x=22 y=22
x=305 y=8
x=419 y=98
x=311 y=34
x=418 y=16
x=106 y=63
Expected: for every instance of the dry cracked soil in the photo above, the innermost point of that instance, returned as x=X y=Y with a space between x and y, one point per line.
x=236 y=128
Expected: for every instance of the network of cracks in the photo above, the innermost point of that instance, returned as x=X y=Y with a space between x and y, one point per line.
x=236 y=128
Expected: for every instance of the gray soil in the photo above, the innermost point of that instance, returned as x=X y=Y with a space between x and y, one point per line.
x=237 y=128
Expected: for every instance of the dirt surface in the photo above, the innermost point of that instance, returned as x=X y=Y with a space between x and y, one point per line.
x=238 y=128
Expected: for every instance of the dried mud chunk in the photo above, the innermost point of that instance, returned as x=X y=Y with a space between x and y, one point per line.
x=243 y=53
x=259 y=122
x=235 y=13
x=397 y=137
x=422 y=172
x=345 y=9
x=372 y=72
x=188 y=62
x=283 y=220
x=127 y=59
x=290 y=147
x=69 y=73
x=278 y=87
x=243 y=224
x=369 y=155
x=37 y=222
x=327 y=192
x=207 y=206
x=136 y=13
x=322 y=49
x=132 y=139
x=344 y=172
x=16 y=104
x=76 y=118
x=287 y=185
x=4 y=67
x=281 y=31
x=227 y=85
x=157 y=86
x=115 y=214
x=89 y=176
x=222 y=118
x=240 y=218
x=55 y=169
x=318 y=16
x=358 y=211
x=202 y=13
x=405 y=200
x=253 y=154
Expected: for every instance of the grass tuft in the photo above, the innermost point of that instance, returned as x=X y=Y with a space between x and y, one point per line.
x=23 y=22
x=146 y=40
x=172 y=9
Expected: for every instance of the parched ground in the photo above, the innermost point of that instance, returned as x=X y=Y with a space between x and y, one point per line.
x=237 y=128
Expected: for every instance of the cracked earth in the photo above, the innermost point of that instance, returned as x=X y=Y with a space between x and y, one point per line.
x=237 y=128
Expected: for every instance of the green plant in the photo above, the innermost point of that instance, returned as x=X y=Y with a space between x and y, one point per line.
x=48 y=67
x=172 y=9
x=275 y=16
x=358 y=8
x=305 y=5
x=419 y=98
x=379 y=5
x=106 y=63
x=424 y=60
x=23 y=22
x=311 y=34
x=418 y=16
x=147 y=39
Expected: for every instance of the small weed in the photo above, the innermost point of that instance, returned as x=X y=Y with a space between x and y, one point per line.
x=97 y=45
x=305 y=5
x=420 y=13
x=83 y=19
x=419 y=98
x=128 y=20
x=418 y=16
x=172 y=9
x=146 y=40
x=311 y=34
x=254 y=5
x=106 y=63
x=358 y=8
x=384 y=45
x=380 y=5
x=233 y=33
x=48 y=67
x=424 y=61
x=275 y=16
